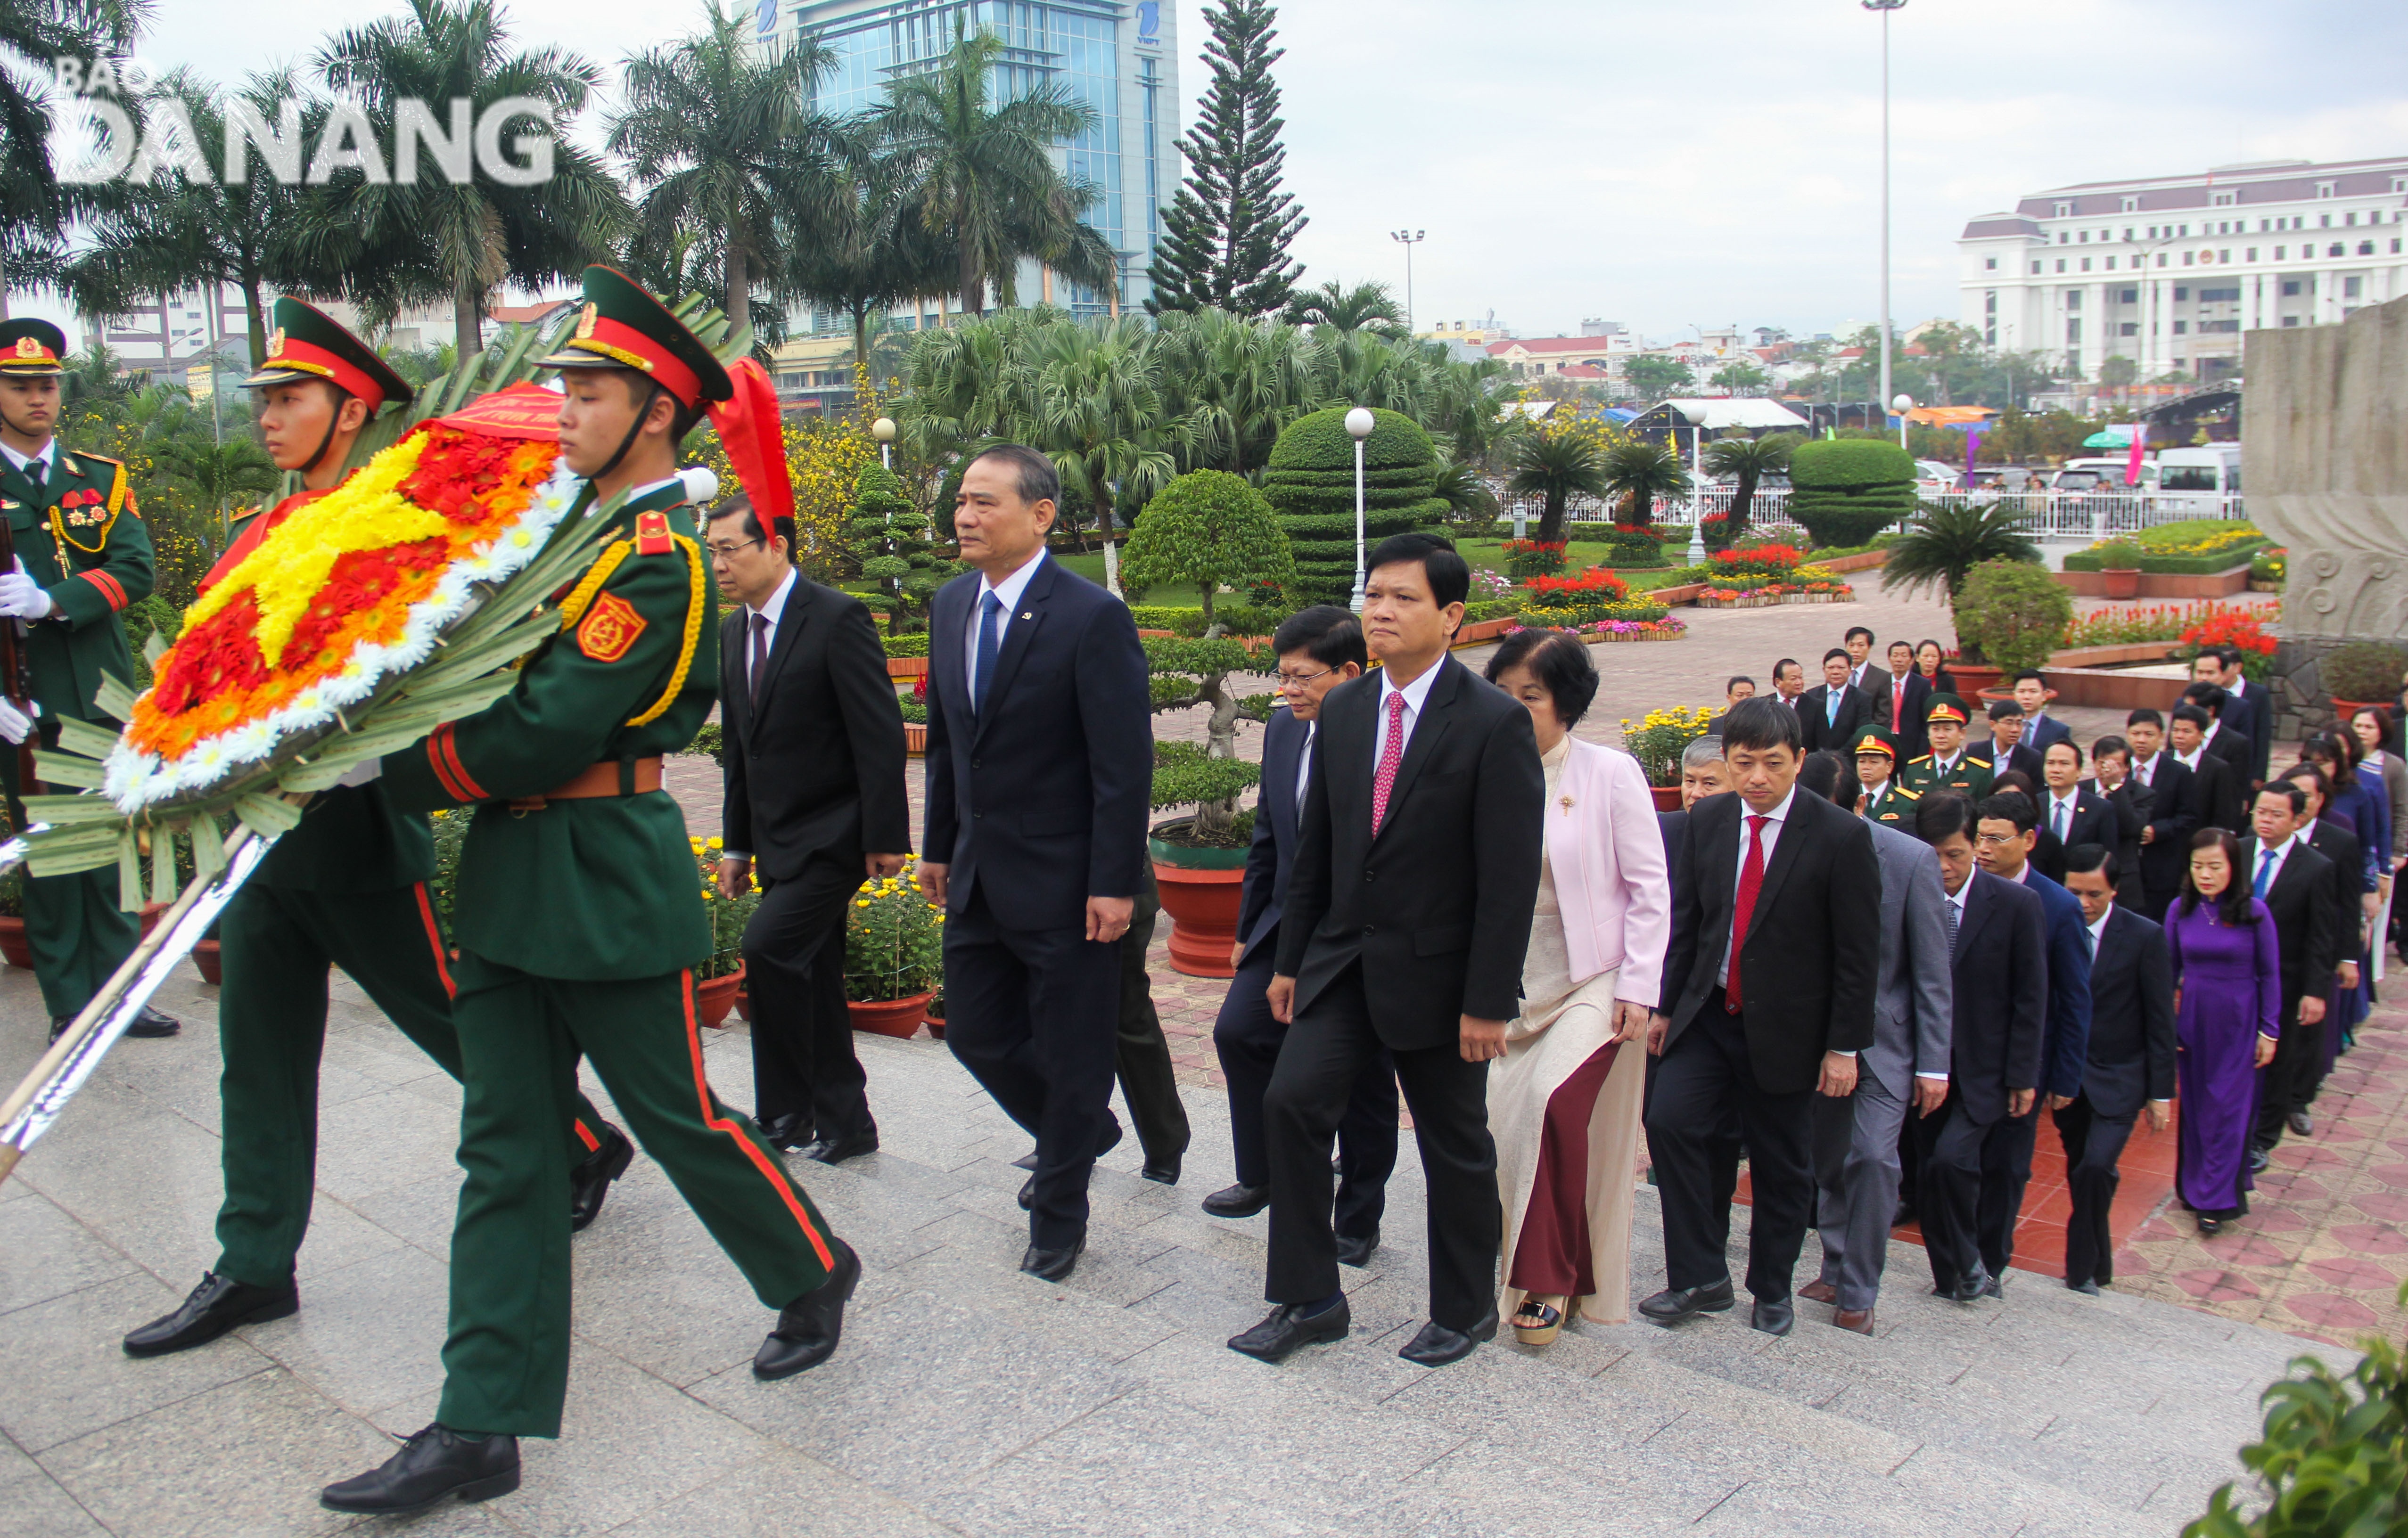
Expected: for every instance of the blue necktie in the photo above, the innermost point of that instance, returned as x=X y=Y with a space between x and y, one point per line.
x=2265 y=874
x=989 y=607
x=1832 y=708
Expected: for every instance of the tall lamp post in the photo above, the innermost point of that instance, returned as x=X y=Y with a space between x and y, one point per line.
x=883 y=431
x=1695 y=416
x=1409 y=239
x=1884 y=6
x=1359 y=423
x=1901 y=404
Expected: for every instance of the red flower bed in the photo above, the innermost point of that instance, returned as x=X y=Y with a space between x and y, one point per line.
x=1597 y=583
x=2233 y=628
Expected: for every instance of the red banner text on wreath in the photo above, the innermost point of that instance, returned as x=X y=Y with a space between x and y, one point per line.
x=524 y=410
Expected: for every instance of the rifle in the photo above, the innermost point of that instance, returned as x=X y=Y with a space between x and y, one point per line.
x=13 y=685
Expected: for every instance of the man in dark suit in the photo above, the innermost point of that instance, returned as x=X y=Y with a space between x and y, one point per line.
x=2297 y=885
x=814 y=800
x=2338 y=842
x=2216 y=797
x=1318 y=650
x=2033 y=693
x=1041 y=763
x=1834 y=710
x=1790 y=683
x=2069 y=814
x=1998 y=963
x=2009 y=753
x=1772 y=975
x=1862 y=676
x=2229 y=732
x=2134 y=804
x=1899 y=697
x=1408 y=911
x=2132 y=1060
x=2173 y=812
x=2003 y=841
x=2260 y=702
x=2239 y=715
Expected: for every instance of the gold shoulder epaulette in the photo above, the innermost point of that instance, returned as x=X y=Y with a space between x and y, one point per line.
x=1924 y=759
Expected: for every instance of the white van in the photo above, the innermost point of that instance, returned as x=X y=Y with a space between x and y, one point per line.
x=2197 y=482
x=2104 y=474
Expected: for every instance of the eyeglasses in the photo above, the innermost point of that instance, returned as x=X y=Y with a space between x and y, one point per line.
x=1298 y=680
x=728 y=553
x=1991 y=841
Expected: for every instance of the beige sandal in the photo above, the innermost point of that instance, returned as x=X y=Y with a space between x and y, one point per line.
x=1550 y=1314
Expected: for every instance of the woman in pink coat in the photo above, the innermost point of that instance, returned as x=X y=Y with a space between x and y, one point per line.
x=1564 y=1101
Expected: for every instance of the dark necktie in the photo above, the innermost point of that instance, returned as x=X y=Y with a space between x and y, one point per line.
x=760 y=656
x=1751 y=881
x=989 y=608
x=1956 y=911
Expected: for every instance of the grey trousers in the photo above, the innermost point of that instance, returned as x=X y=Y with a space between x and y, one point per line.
x=1856 y=1181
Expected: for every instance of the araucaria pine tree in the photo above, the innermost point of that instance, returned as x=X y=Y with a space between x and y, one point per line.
x=1225 y=236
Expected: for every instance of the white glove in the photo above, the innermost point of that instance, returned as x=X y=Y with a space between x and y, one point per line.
x=14 y=724
x=362 y=772
x=21 y=596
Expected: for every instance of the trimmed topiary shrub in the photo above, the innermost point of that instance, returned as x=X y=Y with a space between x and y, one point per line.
x=1210 y=528
x=1310 y=484
x=2014 y=612
x=1846 y=490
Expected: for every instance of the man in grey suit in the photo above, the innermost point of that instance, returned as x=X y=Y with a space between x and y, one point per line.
x=1856 y=1136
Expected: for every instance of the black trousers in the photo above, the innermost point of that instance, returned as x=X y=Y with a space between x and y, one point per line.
x=1707 y=1073
x=803 y=1062
x=2288 y=1082
x=1031 y=1014
x=1727 y=1146
x=1950 y=1146
x=2155 y=901
x=2094 y=1144
x=1327 y=1050
x=1141 y=1057
x=2006 y=1170
x=1248 y=1038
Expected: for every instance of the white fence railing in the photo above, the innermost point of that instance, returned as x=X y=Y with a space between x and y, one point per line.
x=2049 y=515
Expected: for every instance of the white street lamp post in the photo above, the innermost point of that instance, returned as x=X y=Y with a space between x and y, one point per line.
x=1359 y=423
x=1884 y=6
x=883 y=431
x=1409 y=239
x=1697 y=418
x=1901 y=404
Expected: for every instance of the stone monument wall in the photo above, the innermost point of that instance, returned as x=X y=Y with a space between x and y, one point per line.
x=2325 y=469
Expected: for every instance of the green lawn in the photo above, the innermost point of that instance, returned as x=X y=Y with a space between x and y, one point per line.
x=1578 y=556
x=1170 y=594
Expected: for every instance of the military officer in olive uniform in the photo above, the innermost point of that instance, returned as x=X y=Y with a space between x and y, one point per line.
x=1949 y=765
x=347 y=888
x=1885 y=800
x=580 y=923
x=82 y=555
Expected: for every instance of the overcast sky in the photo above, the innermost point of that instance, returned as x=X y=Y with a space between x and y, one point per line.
x=1668 y=166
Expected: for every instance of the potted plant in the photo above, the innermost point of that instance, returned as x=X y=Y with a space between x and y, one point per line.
x=2015 y=613
x=718 y=980
x=893 y=954
x=2360 y=674
x=1658 y=742
x=914 y=705
x=2119 y=567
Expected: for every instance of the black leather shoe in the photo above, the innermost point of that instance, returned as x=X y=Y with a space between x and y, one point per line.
x=835 y=1150
x=1675 y=1304
x=1052 y=1265
x=785 y=1131
x=1025 y=1161
x=590 y=1182
x=1436 y=1344
x=2302 y=1123
x=146 y=1023
x=809 y=1327
x=1028 y=1194
x=220 y=1303
x=1995 y=1285
x=1286 y=1327
x=2260 y=1158
x=1238 y=1201
x=1773 y=1317
x=1161 y=1171
x=436 y=1462
x=1356 y=1250
x=1965 y=1289
x=2087 y=1288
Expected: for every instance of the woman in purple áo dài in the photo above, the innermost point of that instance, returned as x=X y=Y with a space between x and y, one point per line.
x=2227 y=981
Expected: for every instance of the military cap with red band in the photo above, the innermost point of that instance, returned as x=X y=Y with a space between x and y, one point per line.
x=1947 y=708
x=621 y=326
x=32 y=349
x=1873 y=739
x=309 y=344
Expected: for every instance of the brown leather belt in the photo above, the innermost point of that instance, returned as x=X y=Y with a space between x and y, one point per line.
x=612 y=778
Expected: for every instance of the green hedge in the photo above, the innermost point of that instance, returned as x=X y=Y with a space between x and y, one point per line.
x=914 y=645
x=1481 y=610
x=2178 y=565
x=1310 y=484
x=1589 y=614
x=1849 y=464
x=1319 y=441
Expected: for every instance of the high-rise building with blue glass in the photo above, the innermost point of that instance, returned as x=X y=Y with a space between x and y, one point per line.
x=1120 y=59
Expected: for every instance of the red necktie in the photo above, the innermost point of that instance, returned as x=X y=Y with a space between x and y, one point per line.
x=1392 y=752
x=1898 y=706
x=1751 y=881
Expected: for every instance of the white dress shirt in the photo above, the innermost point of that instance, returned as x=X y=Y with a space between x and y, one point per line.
x=2273 y=872
x=1414 y=693
x=1304 y=762
x=2099 y=931
x=1957 y=901
x=2143 y=768
x=1858 y=674
x=768 y=638
x=46 y=458
x=2071 y=801
x=1008 y=590
x=2190 y=760
x=1770 y=835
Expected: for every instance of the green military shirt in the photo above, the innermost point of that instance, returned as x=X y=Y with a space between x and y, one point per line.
x=1970 y=775
x=599 y=888
x=1893 y=806
x=81 y=537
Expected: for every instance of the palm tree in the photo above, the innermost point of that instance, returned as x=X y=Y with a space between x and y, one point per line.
x=35 y=205
x=1946 y=541
x=1644 y=471
x=1465 y=491
x=1237 y=382
x=982 y=176
x=1094 y=401
x=724 y=144
x=217 y=474
x=432 y=238
x=1748 y=460
x=872 y=249
x=1366 y=307
x=1558 y=466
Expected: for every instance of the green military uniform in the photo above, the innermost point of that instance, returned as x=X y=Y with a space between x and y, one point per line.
x=346 y=889
x=1892 y=804
x=78 y=534
x=581 y=921
x=1966 y=772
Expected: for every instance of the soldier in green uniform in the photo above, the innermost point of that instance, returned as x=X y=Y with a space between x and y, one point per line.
x=347 y=888
x=579 y=921
x=1885 y=800
x=1948 y=766
x=82 y=555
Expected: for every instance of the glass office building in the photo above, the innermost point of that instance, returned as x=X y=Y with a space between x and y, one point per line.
x=1120 y=59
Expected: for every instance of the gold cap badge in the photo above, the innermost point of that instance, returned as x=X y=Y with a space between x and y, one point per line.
x=28 y=348
x=585 y=319
x=276 y=342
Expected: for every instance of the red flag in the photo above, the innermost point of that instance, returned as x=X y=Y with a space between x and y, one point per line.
x=750 y=429
x=2132 y=468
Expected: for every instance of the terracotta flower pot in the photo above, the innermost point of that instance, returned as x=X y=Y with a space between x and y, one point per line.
x=1668 y=797
x=14 y=947
x=744 y=1003
x=211 y=963
x=2342 y=710
x=915 y=738
x=150 y=913
x=2122 y=584
x=1202 y=890
x=713 y=997
x=906 y=667
x=897 y=1018
x=935 y=1021
x=1973 y=677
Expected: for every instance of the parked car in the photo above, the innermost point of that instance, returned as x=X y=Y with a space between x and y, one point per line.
x=2198 y=480
x=1931 y=476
